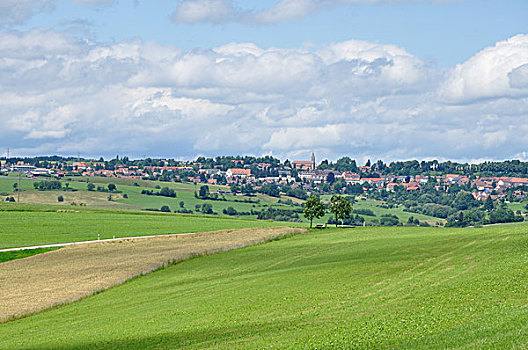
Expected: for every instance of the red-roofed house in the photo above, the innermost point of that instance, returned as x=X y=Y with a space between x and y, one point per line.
x=242 y=173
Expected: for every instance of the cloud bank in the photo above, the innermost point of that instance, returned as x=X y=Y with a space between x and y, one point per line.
x=60 y=94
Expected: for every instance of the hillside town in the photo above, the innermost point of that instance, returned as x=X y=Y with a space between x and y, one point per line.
x=249 y=174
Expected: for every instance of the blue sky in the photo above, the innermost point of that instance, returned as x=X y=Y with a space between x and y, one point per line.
x=369 y=79
x=441 y=32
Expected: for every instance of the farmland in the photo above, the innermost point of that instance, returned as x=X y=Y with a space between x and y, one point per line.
x=36 y=224
x=337 y=288
x=135 y=199
x=185 y=198
x=79 y=271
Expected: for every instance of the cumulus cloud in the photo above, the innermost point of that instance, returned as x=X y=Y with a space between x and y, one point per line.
x=62 y=95
x=495 y=71
x=519 y=77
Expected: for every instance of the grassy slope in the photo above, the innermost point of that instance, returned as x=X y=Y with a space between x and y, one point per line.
x=8 y=256
x=135 y=200
x=347 y=288
x=404 y=216
x=185 y=193
x=374 y=206
x=34 y=227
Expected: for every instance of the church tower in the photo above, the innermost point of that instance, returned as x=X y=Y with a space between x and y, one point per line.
x=313 y=161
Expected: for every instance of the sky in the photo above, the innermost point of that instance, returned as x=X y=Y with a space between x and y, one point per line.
x=369 y=79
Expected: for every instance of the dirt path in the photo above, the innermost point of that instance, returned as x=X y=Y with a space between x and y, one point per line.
x=95 y=241
x=63 y=276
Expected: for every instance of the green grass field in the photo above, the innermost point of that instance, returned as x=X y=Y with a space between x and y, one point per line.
x=359 y=288
x=185 y=194
x=375 y=206
x=135 y=200
x=8 y=256
x=38 y=224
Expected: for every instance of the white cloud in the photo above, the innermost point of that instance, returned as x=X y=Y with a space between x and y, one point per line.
x=192 y=11
x=519 y=77
x=18 y=11
x=492 y=72
x=62 y=95
x=221 y=11
x=285 y=10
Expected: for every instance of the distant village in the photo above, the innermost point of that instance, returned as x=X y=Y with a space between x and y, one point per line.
x=256 y=173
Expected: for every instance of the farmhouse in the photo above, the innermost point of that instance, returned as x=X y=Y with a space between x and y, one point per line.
x=240 y=173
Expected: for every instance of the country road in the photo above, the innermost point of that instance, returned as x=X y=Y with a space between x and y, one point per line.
x=95 y=241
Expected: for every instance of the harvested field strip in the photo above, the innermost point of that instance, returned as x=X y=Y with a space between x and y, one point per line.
x=74 y=272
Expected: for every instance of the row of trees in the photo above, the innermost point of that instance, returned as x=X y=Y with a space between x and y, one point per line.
x=164 y=192
x=434 y=167
x=340 y=206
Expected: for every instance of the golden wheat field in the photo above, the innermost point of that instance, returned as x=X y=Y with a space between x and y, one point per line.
x=59 y=277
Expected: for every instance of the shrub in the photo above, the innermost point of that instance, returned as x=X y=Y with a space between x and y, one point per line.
x=164 y=192
x=60 y=198
x=207 y=208
x=366 y=212
x=389 y=220
x=230 y=211
x=165 y=209
x=47 y=185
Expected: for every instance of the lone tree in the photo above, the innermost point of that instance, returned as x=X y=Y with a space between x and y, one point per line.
x=313 y=209
x=204 y=191
x=488 y=205
x=340 y=206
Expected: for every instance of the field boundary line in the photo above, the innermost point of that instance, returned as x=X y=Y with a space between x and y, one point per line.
x=55 y=245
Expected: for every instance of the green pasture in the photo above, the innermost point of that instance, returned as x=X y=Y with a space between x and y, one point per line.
x=186 y=194
x=6 y=184
x=136 y=200
x=142 y=183
x=19 y=254
x=36 y=225
x=518 y=206
x=398 y=211
x=374 y=205
x=360 y=288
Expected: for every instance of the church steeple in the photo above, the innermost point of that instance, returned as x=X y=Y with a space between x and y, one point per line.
x=313 y=161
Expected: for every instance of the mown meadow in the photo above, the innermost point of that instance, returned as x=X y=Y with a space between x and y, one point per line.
x=29 y=225
x=130 y=197
x=357 y=288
